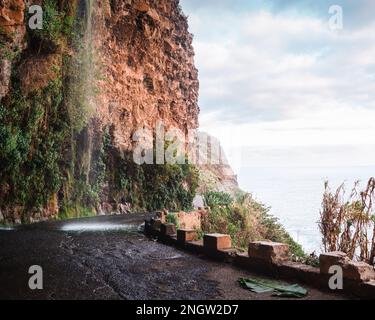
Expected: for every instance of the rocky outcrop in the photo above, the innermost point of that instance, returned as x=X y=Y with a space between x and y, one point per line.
x=12 y=18
x=139 y=58
x=215 y=171
x=146 y=59
x=95 y=74
x=12 y=32
x=148 y=68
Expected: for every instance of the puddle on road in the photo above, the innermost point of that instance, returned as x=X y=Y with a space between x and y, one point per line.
x=6 y=229
x=165 y=257
x=87 y=227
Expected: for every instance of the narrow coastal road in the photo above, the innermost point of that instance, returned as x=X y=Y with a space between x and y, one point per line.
x=107 y=258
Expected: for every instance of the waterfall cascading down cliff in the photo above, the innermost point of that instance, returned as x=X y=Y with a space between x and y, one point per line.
x=87 y=82
x=97 y=72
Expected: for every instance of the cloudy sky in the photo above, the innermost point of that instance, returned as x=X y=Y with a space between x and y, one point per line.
x=280 y=87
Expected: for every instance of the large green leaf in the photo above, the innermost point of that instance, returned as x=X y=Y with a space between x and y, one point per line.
x=280 y=289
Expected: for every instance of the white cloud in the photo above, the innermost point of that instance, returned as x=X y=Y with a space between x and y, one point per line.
x=281 y=80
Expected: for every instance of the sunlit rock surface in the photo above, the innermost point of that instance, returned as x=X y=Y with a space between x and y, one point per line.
x=148 y=68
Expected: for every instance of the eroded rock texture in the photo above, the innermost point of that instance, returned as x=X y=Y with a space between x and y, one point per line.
x=148 y=68
x=141 y=66
x=145 y=58
x=12 y=38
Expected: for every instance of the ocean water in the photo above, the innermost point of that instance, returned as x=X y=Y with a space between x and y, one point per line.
x=295 y=194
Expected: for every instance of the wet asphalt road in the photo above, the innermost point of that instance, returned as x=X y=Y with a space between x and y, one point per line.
x=108 y=258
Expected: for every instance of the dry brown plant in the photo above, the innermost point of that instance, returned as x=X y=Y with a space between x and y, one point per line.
x=347 y=224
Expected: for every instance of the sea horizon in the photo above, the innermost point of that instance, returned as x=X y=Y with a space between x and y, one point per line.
x=294 y=194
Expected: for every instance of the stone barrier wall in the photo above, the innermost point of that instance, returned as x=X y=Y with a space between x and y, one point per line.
x=271 y=259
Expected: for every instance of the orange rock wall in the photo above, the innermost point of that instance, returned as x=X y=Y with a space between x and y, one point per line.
x=148 y=72
x=12 y=32
x=144 y=66
x=145 y=62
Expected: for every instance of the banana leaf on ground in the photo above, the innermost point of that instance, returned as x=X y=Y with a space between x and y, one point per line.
x=278 y=288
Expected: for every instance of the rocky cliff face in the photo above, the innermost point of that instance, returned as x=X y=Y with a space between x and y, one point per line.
x=12 y=28
x=73 y=94
x=216 y=175
x=144 y=56
x=149 y=72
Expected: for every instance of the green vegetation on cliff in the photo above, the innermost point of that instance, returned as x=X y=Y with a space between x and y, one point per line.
x=34 y=120
x=31 y=134
x=149 y=187
x=52 y=149
x=245 y=220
